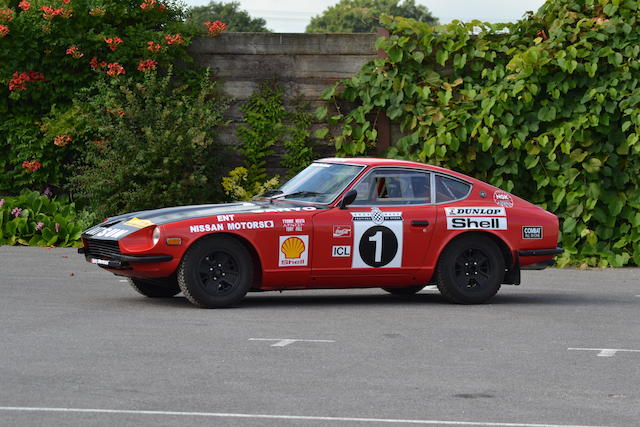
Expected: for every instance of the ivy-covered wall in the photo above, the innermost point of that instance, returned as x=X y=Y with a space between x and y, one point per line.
x=548 y=108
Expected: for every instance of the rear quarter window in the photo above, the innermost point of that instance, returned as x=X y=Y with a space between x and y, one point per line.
x=448 y=189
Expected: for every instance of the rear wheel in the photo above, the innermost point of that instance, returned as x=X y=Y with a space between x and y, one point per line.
x=155 y=288
x=409 y=290
x=216 y=272
x=470 y=270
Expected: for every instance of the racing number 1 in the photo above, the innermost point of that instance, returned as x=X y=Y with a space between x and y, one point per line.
x=377 y=239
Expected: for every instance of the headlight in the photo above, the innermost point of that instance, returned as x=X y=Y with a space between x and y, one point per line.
x=156 y=235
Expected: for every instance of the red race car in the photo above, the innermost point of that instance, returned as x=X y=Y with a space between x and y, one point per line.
x=340 y=223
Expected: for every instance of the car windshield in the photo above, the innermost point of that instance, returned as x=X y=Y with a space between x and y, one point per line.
x=318 y=183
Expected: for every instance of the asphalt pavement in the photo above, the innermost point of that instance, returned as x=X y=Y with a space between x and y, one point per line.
x=78 y=347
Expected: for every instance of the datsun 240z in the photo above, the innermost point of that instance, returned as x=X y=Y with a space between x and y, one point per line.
x=340 y=223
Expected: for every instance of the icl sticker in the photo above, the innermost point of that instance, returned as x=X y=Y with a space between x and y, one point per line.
x=377 y=239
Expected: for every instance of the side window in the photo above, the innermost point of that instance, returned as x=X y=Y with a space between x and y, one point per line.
x=448 y=189
x=388 y=186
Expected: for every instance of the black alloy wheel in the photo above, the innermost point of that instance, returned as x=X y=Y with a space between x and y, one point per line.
x=216 y=272
x=470 y=270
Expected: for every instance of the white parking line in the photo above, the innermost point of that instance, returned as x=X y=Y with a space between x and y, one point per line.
x=282 y=417
x=606 y=352
x=283 y=342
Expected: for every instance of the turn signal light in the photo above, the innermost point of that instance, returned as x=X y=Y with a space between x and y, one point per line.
x=174 y=241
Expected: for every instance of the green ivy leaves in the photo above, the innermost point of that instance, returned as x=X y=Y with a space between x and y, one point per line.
x=547 y=108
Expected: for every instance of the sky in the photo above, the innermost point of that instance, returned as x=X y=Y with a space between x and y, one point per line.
x=292 y=16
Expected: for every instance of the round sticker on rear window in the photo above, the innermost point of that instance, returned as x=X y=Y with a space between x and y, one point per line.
x=502 y=198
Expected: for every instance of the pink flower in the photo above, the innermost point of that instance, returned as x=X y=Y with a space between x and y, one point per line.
x=57 y=227
x=16 y=212
x=39 y=225
x=1 y=202
x=24 y=5
x=47 y=192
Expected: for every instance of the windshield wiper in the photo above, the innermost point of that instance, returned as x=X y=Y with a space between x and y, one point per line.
x=297 y=194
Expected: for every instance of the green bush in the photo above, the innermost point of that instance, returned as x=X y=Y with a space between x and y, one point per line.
x=152 y=144
x=50 y=51
x=37 y=220
x=547 y=108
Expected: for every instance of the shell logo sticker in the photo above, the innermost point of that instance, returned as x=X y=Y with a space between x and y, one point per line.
x=139 y=223
x=293 y=251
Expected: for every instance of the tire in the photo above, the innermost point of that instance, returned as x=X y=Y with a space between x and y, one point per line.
x=216 y=272
x=470 y=270
x=409 y=290
x=158 y=288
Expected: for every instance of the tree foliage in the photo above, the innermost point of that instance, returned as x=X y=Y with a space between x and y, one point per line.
x=547 y=108
x=151 y=144
x=50 y=51
x=363 y=16
x=237 y=20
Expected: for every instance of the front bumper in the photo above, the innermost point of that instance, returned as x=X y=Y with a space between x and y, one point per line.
x=120 y=261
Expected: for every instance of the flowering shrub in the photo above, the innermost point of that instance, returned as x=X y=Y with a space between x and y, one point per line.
x=49 y=51
x=36 y=219
x=150 y=144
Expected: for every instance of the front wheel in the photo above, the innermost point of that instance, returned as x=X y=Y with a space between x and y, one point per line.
x=155 y=288
x=470 y=270
x=216 y=272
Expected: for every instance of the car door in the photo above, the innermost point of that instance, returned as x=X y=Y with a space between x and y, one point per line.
x=382 y=237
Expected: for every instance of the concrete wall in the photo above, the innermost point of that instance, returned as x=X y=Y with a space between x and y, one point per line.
x=306 y=64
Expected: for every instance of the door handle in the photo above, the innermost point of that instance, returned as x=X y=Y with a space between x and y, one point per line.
x=419 y=223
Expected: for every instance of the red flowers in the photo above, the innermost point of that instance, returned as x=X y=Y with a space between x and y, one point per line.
x=24 y=5
x=49 y=13
x=147 y=65
x=95 y=64
x=173 y=39
x=19 y=81
x=31 y=166
x=75 y=52
x=148 y=4
x=115 y=69
x=153 y=47
x=4 y=30
x=6 y=15
x=215 y=28
x=62 y=140
x=113 y=42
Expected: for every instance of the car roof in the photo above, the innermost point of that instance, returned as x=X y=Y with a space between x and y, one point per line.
x=374 y=161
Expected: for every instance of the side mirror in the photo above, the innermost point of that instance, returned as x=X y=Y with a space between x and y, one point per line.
x=348 y=199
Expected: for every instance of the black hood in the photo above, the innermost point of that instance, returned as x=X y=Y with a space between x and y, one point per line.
x=122 y=225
